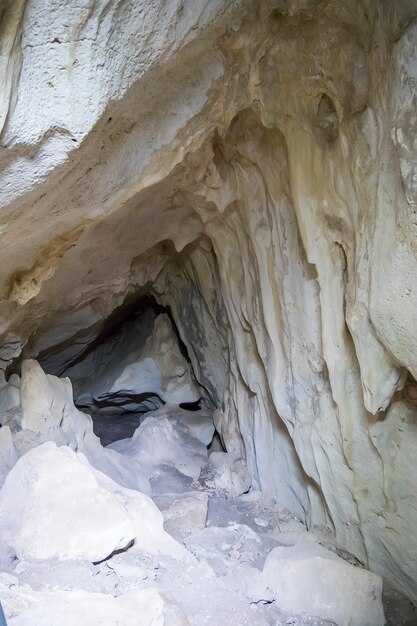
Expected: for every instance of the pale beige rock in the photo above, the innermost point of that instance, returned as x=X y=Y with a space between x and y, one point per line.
x=54 y=504
x=80 y=608
x=183 y=513
x=254 y=170
x=10 y=409
x=8 y=452
x=309 y=579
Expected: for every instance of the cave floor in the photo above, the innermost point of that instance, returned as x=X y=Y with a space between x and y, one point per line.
x=230 y=538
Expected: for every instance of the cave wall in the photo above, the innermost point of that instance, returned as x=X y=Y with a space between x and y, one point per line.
x=253 y=167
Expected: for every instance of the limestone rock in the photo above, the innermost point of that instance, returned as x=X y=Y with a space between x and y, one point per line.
x=163 y=451
x=8 y=452
x=52 y=506
x=225 y=547
x=229 y=473
x=10 y=409
x=307 y=578
x=55 y=505
x=253 y=168
x=80 y=608
x=49 y=414
x=183 y=513
x=167 y=445
x=198 y=424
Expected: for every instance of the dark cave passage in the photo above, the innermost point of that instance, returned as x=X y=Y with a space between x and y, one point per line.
x=137 y=363
x=134 y=362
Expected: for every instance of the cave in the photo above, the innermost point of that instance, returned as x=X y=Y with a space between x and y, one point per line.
x=207 y=313
x=134 y=363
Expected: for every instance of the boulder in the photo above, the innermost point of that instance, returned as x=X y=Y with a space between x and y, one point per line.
x=80 y=608
x=52 y=506
x=55 y=505
x=307 y=578
x=229 y=473
x=183 y=513
x=159 y=443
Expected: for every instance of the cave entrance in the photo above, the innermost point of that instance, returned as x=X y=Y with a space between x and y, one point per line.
x=136 y=363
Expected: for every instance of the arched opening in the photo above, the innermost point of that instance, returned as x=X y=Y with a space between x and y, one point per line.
x=135 y=363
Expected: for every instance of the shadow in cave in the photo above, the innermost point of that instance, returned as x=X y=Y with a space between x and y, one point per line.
x=120 y=422
x=113 y=427
x=135 y=363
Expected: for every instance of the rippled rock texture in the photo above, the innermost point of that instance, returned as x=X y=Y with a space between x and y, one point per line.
x=252 y=166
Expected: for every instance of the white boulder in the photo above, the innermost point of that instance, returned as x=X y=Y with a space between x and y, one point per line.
x=52 y=506
x=47 y=405
x=229 y=473
x=183 y=513
x=159 y=442
x=80 y=608
x=198 y=424
x=307 y=578
x=55 y=505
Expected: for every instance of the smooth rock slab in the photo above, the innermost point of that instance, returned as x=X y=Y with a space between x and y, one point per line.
x=306 y=578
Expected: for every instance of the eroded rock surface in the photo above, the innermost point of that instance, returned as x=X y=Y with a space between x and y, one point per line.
x=252 y=166
x=84 y=542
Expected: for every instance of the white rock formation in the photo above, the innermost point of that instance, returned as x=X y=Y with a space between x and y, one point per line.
x=197 y=424
x=49 y=414
x=80 y=608
x=230 y=473
x=158 y=448
x=307 y=578
x=251 y=165
x=55 y=505
x=183 y=513
x=52 y=506
x=8 y=452
x=170 y=444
